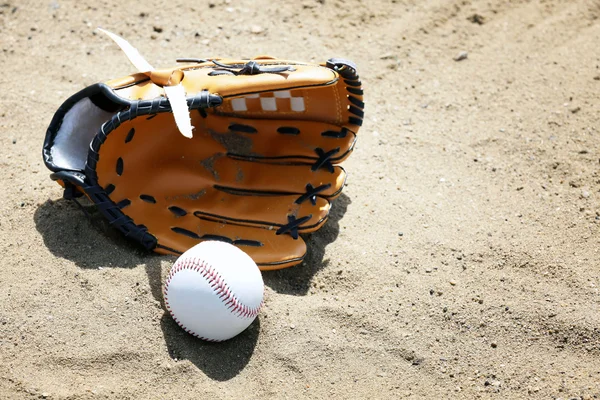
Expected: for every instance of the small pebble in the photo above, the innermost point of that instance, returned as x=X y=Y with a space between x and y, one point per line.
x=477 y=19
x=494 y=345
x=453 y=283
x=461 y=56
x=400 y=234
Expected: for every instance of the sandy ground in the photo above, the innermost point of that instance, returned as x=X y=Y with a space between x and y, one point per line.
x=460 y=262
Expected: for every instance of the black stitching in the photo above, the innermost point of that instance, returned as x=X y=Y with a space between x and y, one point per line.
x=222 y=219
x=250 y=68
x=191 y=59
x=292 y=226
x=352 y=83
x=356 y=102
x=348 y=73
x=130 y=135
x=119 y=166
x=355 y=121
x=180 y=212
x=288 y=130
x=246 y=242
x=242 y=128
x=109 y=188
x=324 y=160
x=185 y=232
x=123 y=203
x=335 y=134
x=356 y=111
x=311 y=193
x=147 y=198
x=220 y=72
x=151 y=116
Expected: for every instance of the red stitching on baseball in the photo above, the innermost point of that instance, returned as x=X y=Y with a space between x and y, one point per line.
x=217 y=283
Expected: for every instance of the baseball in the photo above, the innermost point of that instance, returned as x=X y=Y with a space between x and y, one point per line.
x=214 y=291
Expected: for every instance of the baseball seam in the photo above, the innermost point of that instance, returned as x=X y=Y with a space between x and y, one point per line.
x=219 y=286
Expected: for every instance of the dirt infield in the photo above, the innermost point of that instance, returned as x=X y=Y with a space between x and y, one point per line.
x=461 y=261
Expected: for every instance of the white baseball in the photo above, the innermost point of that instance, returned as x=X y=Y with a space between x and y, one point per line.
x=214 y=291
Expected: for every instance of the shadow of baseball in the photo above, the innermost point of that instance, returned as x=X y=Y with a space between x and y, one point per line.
x=219 y=361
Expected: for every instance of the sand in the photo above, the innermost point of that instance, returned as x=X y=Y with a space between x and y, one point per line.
x=461 y=261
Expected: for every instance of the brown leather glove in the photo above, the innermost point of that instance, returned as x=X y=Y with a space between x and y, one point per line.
x=261 y=168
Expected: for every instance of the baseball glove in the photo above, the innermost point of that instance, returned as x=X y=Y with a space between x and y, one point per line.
x=243 y=151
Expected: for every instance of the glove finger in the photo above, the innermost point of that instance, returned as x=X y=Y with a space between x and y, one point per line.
x=267 y=249
x=330 y=93
x=277 y=140
x=268 y=212
x=240 y=176
x=147 y=161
